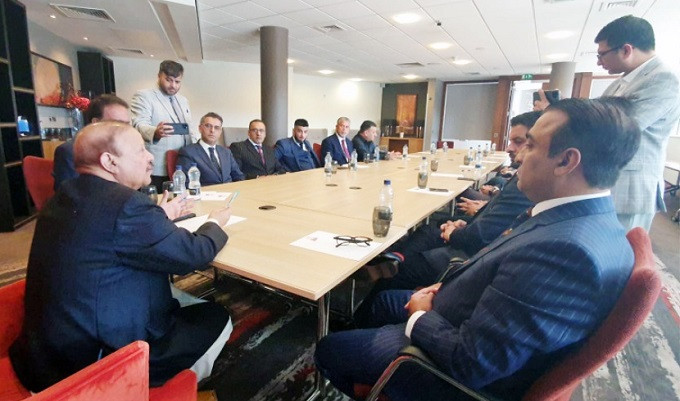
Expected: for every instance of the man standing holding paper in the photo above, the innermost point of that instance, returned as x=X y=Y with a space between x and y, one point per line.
x=153 y=110
x=97 y=276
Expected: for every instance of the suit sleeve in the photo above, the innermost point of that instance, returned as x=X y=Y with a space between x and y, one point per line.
x=491 y=221
x=236 y=150
x=236 y=173
x=141 y=116
x=184 y=159
x=657 y=99
x=536 y=304
x=64 y=165
x=147 y=240
x=361 y=149
x=279 y=152
x=326 y=148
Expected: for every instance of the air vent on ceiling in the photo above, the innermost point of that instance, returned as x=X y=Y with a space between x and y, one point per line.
x=94 y=14
x=614 y=4
x=474 y=73
x=410 y=65
x=124 y=50
x=330 y=28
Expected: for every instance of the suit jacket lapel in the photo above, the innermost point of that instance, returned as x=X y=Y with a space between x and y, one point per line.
x=206 y=159
x=310 y=149
x=166 y=105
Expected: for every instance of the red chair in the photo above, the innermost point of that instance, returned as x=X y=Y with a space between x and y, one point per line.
x=170 y=162
x=121 y=376
x=317 y=150
x=630 y=311
x=39 y=180
x=440 y=144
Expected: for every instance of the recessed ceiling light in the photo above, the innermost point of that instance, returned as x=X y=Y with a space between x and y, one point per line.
x=559 y=34
x=53 y=16
x=557 y=56
x=151 y=55
x=406 y=18
x=326 y=72
x=410 y=76
x=290 y=61
x=356 y=79
x=440 y=45
x=461 y=61
x=85 y=37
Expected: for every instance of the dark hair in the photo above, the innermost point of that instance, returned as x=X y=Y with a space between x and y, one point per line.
x=301 y=122
x=633 y=30
x=526 y=119
x=171 y=68
x=257 y=120
x=366 y=125
x=603 y=131
x=212 y=115
x=99 y=103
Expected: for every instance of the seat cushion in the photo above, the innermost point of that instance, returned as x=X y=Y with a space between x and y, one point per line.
x=182 y=387
x=10 y=387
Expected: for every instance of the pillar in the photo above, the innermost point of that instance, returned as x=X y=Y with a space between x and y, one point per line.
x=562 y=77
x=274 y=81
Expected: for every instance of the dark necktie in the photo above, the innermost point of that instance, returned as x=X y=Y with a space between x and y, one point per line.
x=177 y=110
x=259 y=150
x=213 y=158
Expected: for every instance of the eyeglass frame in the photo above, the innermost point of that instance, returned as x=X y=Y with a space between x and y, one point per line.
x=349 y=239
x=211 y=127
x=604 y=53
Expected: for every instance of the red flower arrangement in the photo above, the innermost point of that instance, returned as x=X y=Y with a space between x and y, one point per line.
x=76 y=101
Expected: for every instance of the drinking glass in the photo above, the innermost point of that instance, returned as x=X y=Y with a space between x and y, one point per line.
x=382 y=216
x=170 y=187
x=434 y=165
x=151 y=192
x=422 y=179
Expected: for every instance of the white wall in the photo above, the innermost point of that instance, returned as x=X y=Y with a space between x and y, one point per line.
x=52 y=46
x=233 y=91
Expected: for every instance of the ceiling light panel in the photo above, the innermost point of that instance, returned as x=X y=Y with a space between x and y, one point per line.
x=406 y=18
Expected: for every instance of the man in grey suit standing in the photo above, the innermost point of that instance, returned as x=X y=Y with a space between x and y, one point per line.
x=152 y=112
x=626 y=45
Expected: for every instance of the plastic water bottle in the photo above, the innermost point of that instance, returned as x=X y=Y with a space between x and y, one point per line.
x=433 y=148
x=478 y=155
x=445 y=147
x=478 y=163
x=328 y=165
x=382 y=214
x=194 y=180
x=376 y=154
x=493 y=148
x=422 y=174
x=404 y=151
x=468 y=157
x=353 y=161
x=485 y=152
x=179 y=180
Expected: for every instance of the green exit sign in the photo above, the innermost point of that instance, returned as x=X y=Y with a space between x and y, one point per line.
x=527 y=76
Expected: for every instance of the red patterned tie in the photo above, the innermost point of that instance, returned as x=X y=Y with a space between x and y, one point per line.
x=259 y=150
x=344 y=148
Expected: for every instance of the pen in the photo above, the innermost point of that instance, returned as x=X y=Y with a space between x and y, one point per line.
x=185 y=217
x=439 y=190
x=233 y=197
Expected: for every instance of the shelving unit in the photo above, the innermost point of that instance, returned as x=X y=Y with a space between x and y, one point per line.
x=17 y=98
x=96 y=74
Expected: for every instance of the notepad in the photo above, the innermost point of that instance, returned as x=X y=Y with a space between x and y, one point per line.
x=322 y=241
x=194 y=223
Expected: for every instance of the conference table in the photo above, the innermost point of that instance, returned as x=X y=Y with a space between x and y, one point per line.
x=280 y=210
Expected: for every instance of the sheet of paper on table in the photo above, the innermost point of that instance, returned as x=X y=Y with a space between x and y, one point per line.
x=322 y=241
x=215 y=196
x=446 y=175
x=193 y=223
x=427 y=191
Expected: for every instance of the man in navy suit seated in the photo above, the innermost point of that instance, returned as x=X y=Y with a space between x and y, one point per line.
x=253 y=157
x=215 y=162
x=339 y=146
x=502 y=318
x=97 y=276
x=102 y=108
x=295 y=153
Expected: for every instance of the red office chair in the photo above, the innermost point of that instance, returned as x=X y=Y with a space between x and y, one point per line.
x=631 y=309
x=440 y=144
x=317 y=150
x=121 y=376
x=39 y=180
x=170 y=162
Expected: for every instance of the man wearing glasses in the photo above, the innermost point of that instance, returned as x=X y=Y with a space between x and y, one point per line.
x=252 y=156
x=215 y=162
x=626 y=46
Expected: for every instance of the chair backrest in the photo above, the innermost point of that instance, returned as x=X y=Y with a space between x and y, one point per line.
x=11 y=314
x=39 y=180
x=317 y=150
x=440 y=144
x=170 y=162
x=634 y=304
x=120 y=376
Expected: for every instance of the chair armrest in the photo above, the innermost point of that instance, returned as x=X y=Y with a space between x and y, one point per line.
x=121 y=376
x=182 y=387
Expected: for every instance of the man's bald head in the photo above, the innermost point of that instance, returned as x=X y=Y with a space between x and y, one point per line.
x=115 y=152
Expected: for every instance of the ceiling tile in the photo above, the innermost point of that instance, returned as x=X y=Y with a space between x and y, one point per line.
x=390 y=6
x=282 y=6
x=218 y=17
x=276 y=20
x=220 y=3
x=311 y=17
x=247 y=10
x=367 y=22
x=350 y=9
x=243 y=27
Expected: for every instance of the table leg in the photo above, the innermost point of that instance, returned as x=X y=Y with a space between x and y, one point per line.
x=323 y=314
